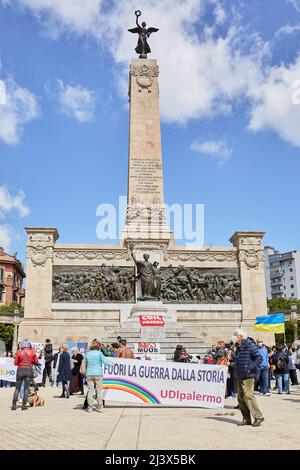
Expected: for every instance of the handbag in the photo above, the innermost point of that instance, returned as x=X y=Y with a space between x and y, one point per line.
x=34 y=371
x=82 y=369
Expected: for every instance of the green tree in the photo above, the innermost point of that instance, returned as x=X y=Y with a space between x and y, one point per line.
x=7 y=335
x=281 y=304
x=9 y=309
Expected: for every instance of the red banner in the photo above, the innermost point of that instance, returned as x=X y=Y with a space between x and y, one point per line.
x=152 y=320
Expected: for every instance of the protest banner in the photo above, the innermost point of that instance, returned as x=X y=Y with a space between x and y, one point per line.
x=38 y=346
x=152 y=320
x=82 y=347
x=146 y=347
x=165 y=383
x=8 y=371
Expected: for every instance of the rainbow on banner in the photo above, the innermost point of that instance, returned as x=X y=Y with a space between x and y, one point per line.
x=115 y=383
x=273 y=323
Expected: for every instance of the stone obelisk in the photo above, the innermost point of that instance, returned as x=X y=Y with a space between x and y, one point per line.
x=146 y=214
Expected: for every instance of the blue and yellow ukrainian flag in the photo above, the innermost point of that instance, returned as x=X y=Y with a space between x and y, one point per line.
x=273 y=323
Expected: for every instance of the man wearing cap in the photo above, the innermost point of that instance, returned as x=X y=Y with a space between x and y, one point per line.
x=25 y=359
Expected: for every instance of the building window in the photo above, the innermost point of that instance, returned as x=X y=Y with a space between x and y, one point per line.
x=292 y=286
x=291 y=270
x=291 y=278
x=1 y=293
x=292 y=294
x=1 y=276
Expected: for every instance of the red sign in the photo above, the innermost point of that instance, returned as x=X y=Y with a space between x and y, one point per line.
x=152 y=320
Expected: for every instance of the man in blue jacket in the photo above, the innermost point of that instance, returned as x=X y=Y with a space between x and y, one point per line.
x=262 y=372
x=247 y=361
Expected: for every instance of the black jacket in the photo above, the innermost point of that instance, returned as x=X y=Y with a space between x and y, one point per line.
x=247 y=359
x=285 y=358
x=64 y=368
x=76 y=368
x=48 y=351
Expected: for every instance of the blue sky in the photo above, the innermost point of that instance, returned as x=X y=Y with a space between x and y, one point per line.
x=230 y=127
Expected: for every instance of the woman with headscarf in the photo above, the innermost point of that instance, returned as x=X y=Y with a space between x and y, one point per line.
x=76 y=384
x=25 y=359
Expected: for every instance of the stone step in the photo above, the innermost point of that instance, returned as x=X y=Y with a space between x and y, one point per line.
x=174 y=334
x=171 y=334
x=167 y=338
x=168 y=345
x=170 y=329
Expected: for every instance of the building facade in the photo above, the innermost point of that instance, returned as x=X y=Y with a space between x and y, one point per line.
x=282 y=273
x=11 y=279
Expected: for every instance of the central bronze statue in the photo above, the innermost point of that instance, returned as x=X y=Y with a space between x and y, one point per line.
x=142 y=47
x=149 y=275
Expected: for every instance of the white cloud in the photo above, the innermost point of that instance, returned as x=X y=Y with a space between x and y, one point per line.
x=77 y=101
x=209 y=71
x=274 y=107
x=204 y=70
x=287 y=30
x=20 y=108
x=219 y=12
x=214 y=148
x=78 y=16
x=295 y=3
x=8 y=202
x=6 y=237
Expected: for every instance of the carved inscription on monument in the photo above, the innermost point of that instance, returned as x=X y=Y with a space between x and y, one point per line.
x=145 y=177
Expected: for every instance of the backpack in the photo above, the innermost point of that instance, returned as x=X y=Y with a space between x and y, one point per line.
x=281 y=363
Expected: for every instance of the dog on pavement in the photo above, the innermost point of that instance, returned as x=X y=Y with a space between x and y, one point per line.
x=34 y=399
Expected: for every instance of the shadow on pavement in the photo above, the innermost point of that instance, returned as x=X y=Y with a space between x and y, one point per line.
x=226 y=420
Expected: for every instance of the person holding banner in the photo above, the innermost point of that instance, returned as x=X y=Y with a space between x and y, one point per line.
x=6 y=383
x=25 y=359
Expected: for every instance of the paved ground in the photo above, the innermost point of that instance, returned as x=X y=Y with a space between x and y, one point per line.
x=62 y=424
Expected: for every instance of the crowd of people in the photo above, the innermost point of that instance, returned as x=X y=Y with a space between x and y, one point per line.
x=35 y=366
x=252 y=366
x=279 y=363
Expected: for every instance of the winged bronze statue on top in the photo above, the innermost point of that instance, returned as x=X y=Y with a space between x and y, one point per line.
x=142 y=47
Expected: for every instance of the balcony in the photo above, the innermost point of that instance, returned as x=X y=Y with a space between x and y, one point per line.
x=277 y=290
x=276 y=283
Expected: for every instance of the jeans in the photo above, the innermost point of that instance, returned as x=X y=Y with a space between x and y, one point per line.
x=262 y=380
x=247 y=401
x=94 y=382
x=24 y=375
x=285 y=378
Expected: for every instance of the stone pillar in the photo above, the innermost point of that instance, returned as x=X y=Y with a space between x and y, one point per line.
x=146 y=215
x=9 y=288
x=251 y=262
x=39 y=254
